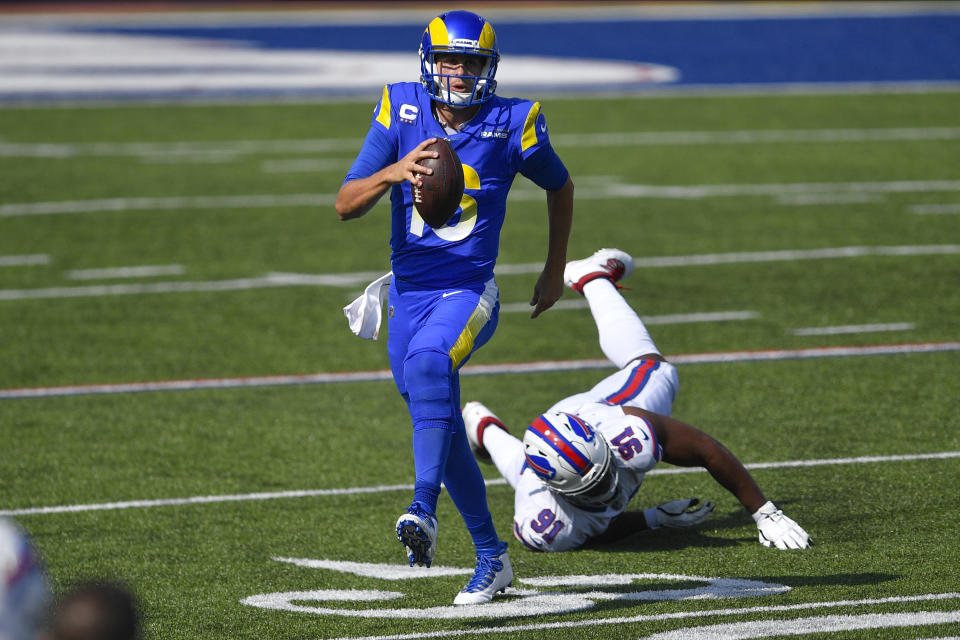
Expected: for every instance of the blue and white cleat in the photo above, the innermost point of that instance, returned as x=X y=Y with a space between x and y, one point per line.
x=611 y=264
x=493 y=574
x=417 y=531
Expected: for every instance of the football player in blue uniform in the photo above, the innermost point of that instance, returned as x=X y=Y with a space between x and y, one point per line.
x=443 y=299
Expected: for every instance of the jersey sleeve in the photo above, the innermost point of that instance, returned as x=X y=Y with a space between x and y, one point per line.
x=545 y=169
x=538 y=161
x=633 y=440
x=380 y=146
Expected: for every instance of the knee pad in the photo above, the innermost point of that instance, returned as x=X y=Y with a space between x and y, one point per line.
x=428 y=378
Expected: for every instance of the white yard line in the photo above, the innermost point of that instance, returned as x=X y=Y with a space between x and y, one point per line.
x=144 y=271
x=24 y=260
x=96 y=291
x=541 y=366
x=935 y=209
x=226 y=148
x=359 y=278
x=787 y=626
x=234 y=148
x=777 y=190
x=305 y=165
x=311 y=493
x=671 y=318
x=786 y=255
x=817 y=199
x=787 y=193
x=853 y=328
x=236 y=284
x=175 y=203
x=751 y=136
x=803 y=626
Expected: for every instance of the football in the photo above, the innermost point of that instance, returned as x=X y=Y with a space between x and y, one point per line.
x=438 y=198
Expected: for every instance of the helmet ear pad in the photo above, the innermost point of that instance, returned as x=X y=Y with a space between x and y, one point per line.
x=570 y=457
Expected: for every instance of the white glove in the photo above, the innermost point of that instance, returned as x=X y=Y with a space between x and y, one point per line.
x=678 y=514
x=777 y=530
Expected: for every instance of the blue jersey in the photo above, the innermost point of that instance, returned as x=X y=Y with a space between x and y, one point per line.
x=507 y=136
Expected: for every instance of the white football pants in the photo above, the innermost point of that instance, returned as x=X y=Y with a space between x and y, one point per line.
x=623 y=339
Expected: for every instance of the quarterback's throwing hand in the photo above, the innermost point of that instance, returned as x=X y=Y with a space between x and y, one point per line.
x=777 y=530
x=678 y=514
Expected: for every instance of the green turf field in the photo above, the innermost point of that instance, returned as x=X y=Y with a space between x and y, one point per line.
x=800 y=222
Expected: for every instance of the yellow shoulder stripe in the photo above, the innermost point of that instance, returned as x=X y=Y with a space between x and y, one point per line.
x=530 y=128
x=383 y=117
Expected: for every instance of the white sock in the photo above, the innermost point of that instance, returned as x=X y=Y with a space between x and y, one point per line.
x=506 y=451
x=623 y=336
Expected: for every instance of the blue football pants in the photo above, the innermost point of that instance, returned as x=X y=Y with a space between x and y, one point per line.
x=431 y=335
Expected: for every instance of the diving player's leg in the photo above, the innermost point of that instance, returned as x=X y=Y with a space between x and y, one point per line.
x=506 y=451
x=623 y=336
x=490 y=441
x=644 y=380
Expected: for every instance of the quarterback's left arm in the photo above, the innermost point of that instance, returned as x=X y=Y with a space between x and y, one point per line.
x=549 y=286
x=687 y=446
x=541 y=164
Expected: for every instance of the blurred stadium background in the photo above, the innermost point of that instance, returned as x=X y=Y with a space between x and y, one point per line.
x=303 y=49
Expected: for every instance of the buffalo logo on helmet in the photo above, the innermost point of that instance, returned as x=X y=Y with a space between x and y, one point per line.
x=541 y=466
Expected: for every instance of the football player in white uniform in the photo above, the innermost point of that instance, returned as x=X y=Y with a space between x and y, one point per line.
x=25 y=595
x=579 y=464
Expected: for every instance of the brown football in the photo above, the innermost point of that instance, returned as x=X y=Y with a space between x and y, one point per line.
x=438 y=198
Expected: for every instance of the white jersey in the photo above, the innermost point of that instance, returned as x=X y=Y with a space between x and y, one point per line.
x=545 y=520
x=24 y=591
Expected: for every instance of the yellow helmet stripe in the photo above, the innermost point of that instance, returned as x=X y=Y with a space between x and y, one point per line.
x=530 y=128
x=383 y=116
x=487 y=37
x=438 y=33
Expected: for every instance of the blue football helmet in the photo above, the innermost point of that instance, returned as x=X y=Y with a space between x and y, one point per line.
x=460 y=32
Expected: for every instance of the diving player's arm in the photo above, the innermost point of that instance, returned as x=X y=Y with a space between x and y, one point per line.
x=687 y=446
x=676 y=514
x=358 y=195
x=625 y=524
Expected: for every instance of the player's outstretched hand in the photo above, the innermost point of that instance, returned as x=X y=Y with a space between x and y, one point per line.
x=777 y=530
x=547 y=290
x=678 y=514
